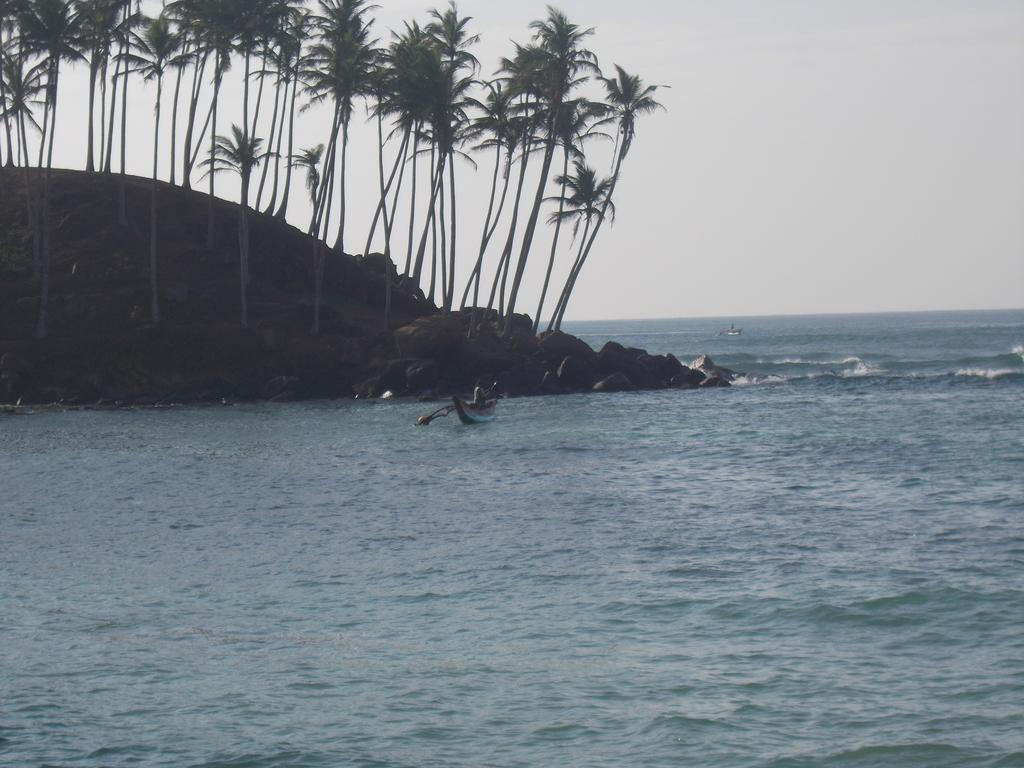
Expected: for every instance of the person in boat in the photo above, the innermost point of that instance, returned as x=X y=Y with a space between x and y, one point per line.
x=479 y=397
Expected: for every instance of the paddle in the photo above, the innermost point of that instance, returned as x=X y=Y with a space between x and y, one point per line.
x=439 y=413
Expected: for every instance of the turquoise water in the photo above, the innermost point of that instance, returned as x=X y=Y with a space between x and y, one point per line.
x=821 y=567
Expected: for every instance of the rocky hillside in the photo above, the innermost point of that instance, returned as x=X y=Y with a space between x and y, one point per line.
x=103 y=348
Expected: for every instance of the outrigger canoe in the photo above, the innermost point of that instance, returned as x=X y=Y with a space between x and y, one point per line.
x=470 y=413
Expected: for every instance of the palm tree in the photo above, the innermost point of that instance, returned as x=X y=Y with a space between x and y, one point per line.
x=494 y=123
x=290 y=66
x=589 y=200
x=215 y=22
x=628 y=98
x=8 y=9
x=99 y=19
x=239 y=154
x=339 y=71
x=49 y=28
x=155 y=50
x=449 y=33
x=559 y=64
x=572 y=128
x=309 y=160
x=24 y=86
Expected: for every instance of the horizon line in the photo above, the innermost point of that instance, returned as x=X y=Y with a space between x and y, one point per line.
x=797 y=314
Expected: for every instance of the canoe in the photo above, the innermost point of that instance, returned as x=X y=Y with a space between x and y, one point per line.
x=474 y=414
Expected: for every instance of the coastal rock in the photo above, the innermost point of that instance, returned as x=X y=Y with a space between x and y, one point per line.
x=688 y=378
x=714 y=381
x=485 y=355
x=421 y=376
x=278 y=386
x=392 y=376
x=614 y=358
x=434 y=337
x=707 y=366
x=521 y=381
x=575 y=374
x=666 y=367
x=555 y=346
x=549 y=384
x=617 y=382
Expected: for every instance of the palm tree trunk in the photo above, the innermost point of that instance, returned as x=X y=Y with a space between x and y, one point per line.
x=339 y=243
x=210 y=211
x=593 y=236
x=531 y=228
x=382 y=204
x=276 y=158
x=103 y=113
x=421 y=252
x=42 y=321
x=490 y=226
x=108 y=160
x=450 y=294
x=259 y=97
x=282 y=212
x=90 y=160
x=154 y=294
x=243 y=248
x=7 y=125
x=412 y=196
x=193 y=108
x=501 y=274
x=30 y=194
x=174 y=119
x=570 y=282
x=380 y=180
x=322 y=220
x=122 y=210
x=389 y=221
x=270 y=147
x=554 y=243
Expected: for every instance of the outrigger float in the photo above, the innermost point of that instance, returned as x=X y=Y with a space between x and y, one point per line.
x=468 y=412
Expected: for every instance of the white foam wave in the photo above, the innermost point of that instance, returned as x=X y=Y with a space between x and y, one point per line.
x=988 y=373
x=862 y=369
x=750 y=381
x=1019 y=350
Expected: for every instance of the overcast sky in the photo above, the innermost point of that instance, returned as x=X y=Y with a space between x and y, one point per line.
x=815 y=156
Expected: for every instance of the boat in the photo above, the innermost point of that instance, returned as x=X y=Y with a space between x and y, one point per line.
x=732 y=330
x=471 y=413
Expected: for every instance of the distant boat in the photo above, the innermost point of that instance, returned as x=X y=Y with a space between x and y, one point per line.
x=732 y=330
x=471 y=413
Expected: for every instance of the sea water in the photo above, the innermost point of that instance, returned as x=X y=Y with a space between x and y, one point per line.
x=823 y=566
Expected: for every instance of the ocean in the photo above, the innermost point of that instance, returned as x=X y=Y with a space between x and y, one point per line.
x=821 y=566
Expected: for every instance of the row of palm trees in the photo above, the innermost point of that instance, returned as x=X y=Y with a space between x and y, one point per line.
x=423 y=90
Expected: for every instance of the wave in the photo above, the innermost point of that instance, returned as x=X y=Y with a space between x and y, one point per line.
x=989 y=373
x=779 y=369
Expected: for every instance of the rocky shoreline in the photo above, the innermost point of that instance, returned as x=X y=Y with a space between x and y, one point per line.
x=433 y=357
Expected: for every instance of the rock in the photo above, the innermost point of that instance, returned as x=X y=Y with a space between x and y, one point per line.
x=707 y=366
x=277 y=386
x=575 y=374
x=555 y=346
x=714 y=381
x=549 y=384
x=614 y=358
x=617 y=382
x=666 y=367
x=392 y=376
x=378 y=263
x=688 y=378
x=435 y=337
x=521 y=381
x=485 y=355
x=421 y=376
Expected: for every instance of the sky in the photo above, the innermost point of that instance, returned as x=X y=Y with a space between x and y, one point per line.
x=814 y=156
